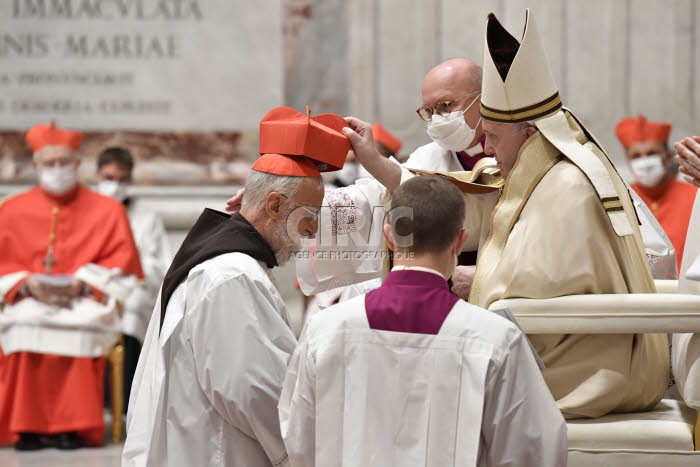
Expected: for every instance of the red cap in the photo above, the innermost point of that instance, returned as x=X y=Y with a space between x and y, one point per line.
x=287 y=166
x=284 y=130
x=382 y=135
x=633 y=130
x=50 y=135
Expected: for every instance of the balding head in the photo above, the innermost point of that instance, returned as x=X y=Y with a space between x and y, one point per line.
x=452 y=78
x=458 y=82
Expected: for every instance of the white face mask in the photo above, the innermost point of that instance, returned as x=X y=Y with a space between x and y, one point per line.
x=58 y=180
x=113 y=189
x=649 y=170
x=452 y=132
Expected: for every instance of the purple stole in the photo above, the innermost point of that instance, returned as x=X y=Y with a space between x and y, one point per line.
x=410 y=301
x=468 y=161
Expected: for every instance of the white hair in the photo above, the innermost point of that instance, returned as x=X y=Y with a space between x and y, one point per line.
x=261 y=184
x=522 y=125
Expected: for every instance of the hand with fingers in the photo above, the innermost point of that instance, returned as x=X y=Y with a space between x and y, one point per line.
x=462 y=281
x=360 y=135
x=688 y=157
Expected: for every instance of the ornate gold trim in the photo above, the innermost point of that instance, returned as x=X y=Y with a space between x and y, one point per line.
x=535 y=158
x=523 y=114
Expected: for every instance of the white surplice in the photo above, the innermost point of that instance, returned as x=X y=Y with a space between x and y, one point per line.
x=472 y=395
x=207 y=386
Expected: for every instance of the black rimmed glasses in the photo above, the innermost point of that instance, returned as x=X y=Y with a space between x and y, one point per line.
x=443 y=109
x=312 y=211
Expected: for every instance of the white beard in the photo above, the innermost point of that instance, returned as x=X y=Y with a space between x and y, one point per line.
x=285 y=246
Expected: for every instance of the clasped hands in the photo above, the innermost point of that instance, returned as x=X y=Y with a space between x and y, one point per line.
x=53 y=295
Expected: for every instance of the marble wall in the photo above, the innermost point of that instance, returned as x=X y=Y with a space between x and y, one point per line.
x=367 y=58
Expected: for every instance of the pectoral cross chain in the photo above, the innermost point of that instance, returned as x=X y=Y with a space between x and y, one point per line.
x=49 y=260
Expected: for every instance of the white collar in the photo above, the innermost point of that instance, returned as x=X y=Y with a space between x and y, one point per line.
x=417 y=268
x=473 y=151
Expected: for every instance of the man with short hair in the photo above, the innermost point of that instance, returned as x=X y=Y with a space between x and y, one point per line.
x=409 y=374
x=115 y=167
x=651 y=164
x=216 y=351
x=51 y=385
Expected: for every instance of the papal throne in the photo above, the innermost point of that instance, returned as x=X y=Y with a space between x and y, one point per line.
x=669 y=435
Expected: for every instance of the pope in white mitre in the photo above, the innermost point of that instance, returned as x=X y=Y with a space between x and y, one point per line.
x=564 y=225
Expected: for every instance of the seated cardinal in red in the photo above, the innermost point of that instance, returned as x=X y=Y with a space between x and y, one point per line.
x=47 y=234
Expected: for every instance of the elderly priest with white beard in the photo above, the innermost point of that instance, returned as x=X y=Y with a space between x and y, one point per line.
x=215 y=355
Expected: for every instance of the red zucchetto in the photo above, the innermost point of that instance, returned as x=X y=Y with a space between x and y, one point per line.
x=286 y=166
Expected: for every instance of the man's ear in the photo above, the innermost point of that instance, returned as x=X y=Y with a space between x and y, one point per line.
x=531 y=130
x=274 y=205
x=389 y=236
x=463 y=234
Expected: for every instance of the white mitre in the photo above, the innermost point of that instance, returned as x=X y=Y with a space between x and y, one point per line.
x=518 y=86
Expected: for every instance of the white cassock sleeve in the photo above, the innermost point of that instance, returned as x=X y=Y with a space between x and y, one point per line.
x=154 y=253
x=297 y=408
x=241 y=346
x=522 y=424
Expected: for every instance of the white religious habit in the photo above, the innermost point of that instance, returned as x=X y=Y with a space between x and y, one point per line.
x=410 y=375
x=207 y=384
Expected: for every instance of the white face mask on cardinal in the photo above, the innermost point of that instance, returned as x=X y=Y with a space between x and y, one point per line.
x=113 y=189
x=452 y=132
x=649 y=170
x=58 y=180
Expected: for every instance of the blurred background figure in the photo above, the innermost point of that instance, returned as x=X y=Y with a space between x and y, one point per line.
x=651 y=162
x=50 y=381
x=115 y=168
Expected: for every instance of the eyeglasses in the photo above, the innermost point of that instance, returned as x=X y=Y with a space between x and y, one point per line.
x=443 y=109
x=314 y=212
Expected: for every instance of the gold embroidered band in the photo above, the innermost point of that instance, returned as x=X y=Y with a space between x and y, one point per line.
x=531 y=112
